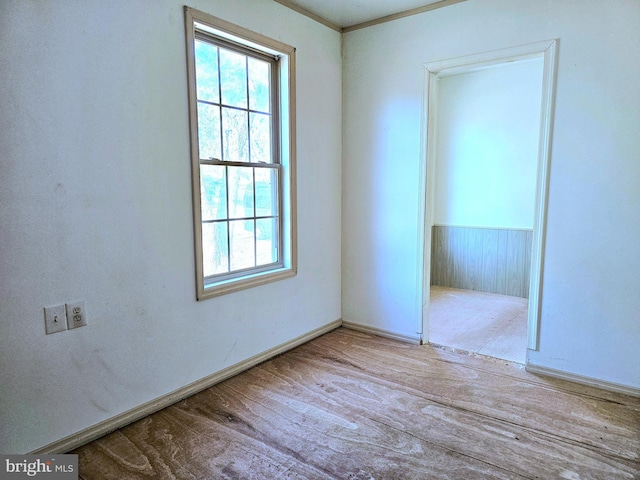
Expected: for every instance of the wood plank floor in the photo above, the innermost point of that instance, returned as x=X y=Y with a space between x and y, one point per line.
x=354 y=406
x=479 y=322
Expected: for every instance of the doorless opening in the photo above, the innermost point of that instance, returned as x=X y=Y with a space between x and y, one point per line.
x=479 y=186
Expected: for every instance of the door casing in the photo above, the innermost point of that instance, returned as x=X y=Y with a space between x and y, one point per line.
x=432 y=72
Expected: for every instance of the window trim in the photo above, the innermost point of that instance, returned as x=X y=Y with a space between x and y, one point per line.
x=198 y=23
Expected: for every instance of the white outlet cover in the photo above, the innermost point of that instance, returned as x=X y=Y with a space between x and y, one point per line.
x=76 y=315
x=55 y=319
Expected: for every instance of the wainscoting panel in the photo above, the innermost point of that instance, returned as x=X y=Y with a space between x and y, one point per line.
x=490 y=260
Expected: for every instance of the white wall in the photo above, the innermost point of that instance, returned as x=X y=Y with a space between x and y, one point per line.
x=590 y=316
x=95 y=205
x=487 y=132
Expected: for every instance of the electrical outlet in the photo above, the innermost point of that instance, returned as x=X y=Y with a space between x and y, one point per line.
x=76 y=315
x=54 y=319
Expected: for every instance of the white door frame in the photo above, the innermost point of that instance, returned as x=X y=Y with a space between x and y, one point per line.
x=432 y=72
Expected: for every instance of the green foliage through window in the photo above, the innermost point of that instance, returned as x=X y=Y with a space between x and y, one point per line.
x=239 y=173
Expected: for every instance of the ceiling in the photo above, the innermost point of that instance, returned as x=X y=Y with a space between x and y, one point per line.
x=342 y=14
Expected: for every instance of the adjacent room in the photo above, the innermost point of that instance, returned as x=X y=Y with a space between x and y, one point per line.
x=228 y=229
x=487 y=121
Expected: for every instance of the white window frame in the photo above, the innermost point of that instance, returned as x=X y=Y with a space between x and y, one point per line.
x=198 y=23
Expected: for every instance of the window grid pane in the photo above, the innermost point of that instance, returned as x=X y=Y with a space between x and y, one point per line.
x=259 y=95
x=215 y=248
x=233 y=78
x=209 y=130
x=240 y=192
x=213 y=192
x=260 y=135
x=242 y=244
x=207 y=78
x=266 y=240
x=235 y=135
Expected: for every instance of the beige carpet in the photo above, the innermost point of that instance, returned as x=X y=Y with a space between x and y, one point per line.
x=478 y=322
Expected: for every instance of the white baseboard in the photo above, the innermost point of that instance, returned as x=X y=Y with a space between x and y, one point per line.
x=91 y=433
x=572 y=377
x=382 y=333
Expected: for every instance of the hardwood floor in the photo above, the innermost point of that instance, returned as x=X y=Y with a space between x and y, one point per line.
x=478 y=322
x=354 y=406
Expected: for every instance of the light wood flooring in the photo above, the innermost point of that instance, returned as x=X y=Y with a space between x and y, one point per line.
x=478 y=322
x=354 y=406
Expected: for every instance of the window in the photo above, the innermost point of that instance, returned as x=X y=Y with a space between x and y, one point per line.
x=241 y=103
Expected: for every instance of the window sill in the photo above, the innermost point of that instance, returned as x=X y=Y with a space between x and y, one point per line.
x=215 y=289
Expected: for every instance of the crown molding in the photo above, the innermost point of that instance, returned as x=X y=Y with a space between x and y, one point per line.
x=406 y=13
x=309 y=14
x=369 y=23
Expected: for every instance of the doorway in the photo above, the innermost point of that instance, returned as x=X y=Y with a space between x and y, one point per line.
x=487 y=128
